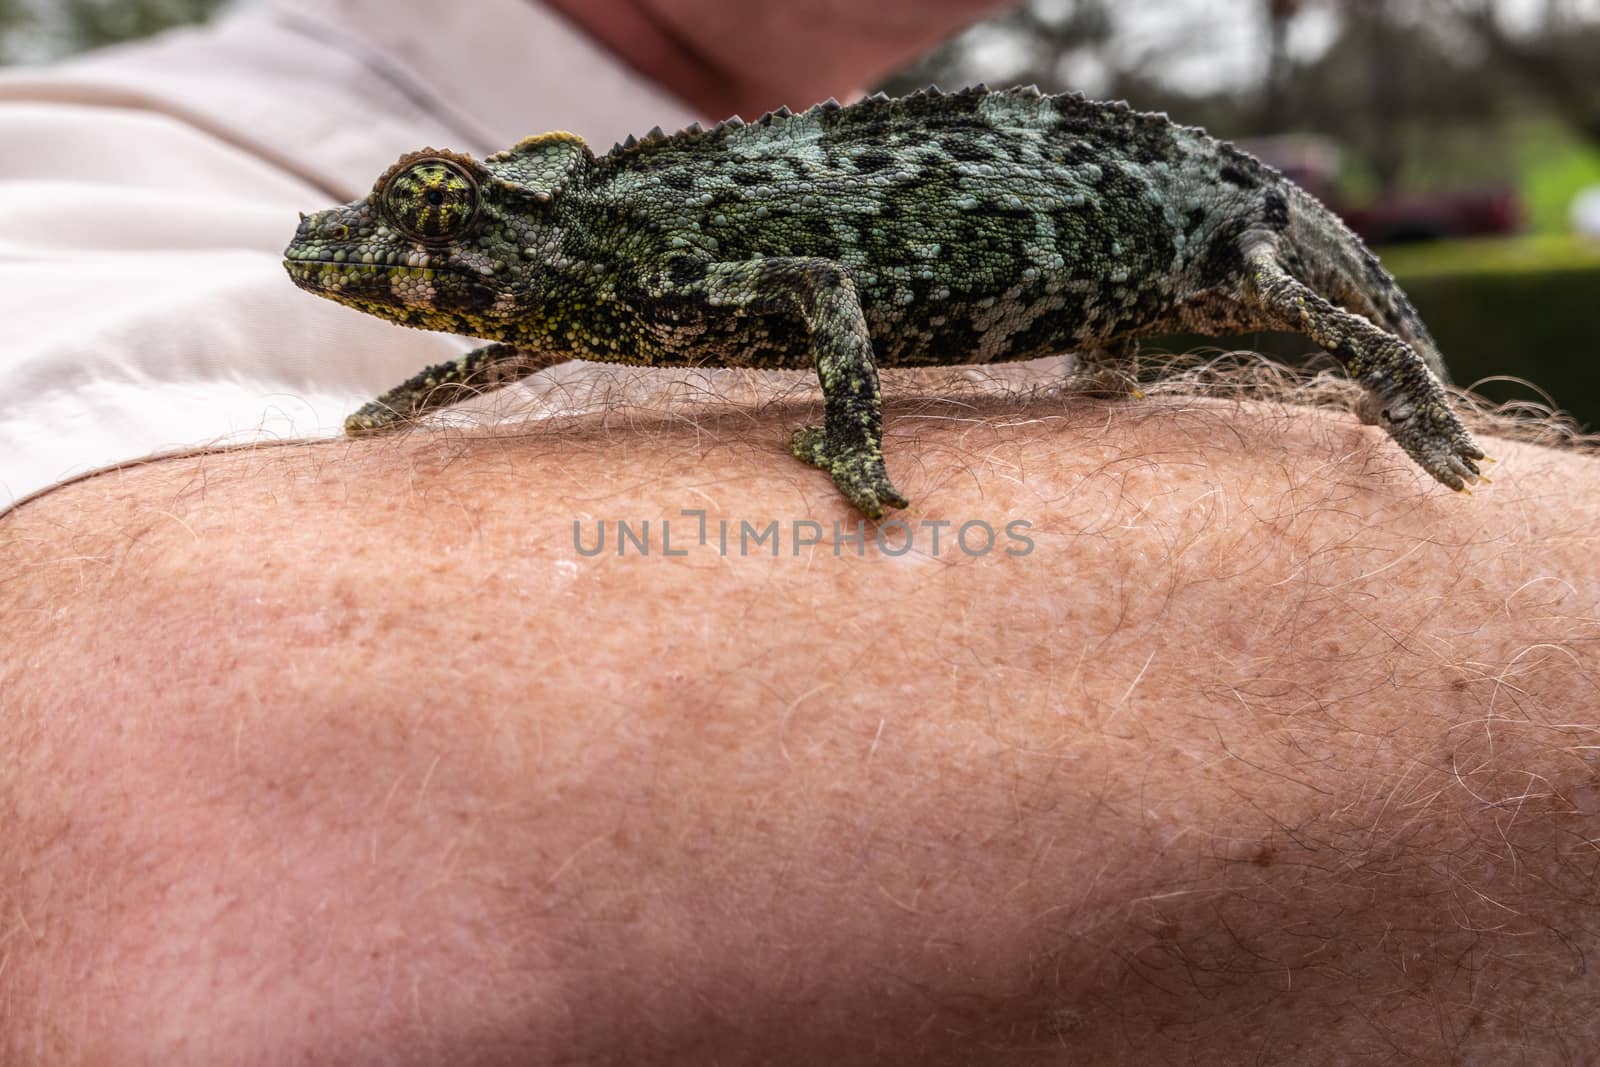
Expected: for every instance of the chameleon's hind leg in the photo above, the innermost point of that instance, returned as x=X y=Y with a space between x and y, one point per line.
x=479 y=371
x=1403 y=395
x=821 y=293
x=1109 y=371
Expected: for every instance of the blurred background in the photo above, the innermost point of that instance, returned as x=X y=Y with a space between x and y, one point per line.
x=1461 y=138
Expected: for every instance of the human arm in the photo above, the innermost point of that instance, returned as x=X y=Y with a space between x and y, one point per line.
x=341 y=750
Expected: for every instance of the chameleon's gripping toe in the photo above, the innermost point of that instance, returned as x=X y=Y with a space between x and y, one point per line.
x=1435 y=438
x=1428 y=430
x=859 y=473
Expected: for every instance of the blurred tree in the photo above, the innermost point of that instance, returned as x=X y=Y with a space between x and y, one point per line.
x=1036 y=41
x=92 y=23
x=35 y=30
x=1408 y=93
x=1558 y=58
x=1389 y=89
x=1274 y=95
x=14 y=14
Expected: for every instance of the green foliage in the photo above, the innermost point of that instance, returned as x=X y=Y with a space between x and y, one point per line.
x=1556 y=164
x=92 y=23
x=14 y=15
x=35 y=30
x=1493 y=256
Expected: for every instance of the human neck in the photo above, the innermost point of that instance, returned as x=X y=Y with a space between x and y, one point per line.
x=630 y=30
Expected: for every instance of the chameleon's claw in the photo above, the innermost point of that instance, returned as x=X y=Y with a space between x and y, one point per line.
x=1433 y=436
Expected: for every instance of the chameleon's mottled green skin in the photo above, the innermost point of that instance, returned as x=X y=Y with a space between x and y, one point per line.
x=971 y=227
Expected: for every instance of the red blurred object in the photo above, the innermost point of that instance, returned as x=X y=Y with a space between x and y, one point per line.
x=1312 y=162
x=1468 y=213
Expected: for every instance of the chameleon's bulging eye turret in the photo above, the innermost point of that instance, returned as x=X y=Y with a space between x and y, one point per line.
x=431 y=200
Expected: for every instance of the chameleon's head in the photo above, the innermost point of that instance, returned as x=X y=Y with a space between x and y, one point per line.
x=442 y=242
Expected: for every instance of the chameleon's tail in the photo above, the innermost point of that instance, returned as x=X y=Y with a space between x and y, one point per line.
x=1320 y=251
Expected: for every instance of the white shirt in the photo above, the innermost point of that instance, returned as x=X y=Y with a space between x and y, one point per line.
x=147 y=193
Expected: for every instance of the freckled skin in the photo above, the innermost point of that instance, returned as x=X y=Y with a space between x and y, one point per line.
x=972 y=227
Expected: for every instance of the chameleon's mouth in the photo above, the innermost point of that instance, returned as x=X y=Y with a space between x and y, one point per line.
x=304 y=266
x=369 y=280
x=427 y=298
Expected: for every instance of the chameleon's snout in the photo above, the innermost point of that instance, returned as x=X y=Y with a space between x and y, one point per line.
x=302 y=236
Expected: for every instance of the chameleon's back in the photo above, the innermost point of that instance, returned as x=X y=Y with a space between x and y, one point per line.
x=978 y=225
x=985 y=226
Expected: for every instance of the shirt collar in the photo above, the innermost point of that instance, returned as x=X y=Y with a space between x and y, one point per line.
x=496 y=70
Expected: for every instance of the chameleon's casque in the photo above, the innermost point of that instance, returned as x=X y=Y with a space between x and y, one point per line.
x=970 y=227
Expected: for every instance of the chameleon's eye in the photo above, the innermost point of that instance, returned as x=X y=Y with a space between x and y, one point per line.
x=431 y=200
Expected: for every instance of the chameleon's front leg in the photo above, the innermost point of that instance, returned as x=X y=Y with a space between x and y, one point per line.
x=849 y=445
x=479 y=371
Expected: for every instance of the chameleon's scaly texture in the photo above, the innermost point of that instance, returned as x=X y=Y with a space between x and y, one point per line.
x=971 y=227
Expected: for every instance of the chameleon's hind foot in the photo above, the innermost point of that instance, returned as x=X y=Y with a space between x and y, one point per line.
x=859 y=473
x=1105 y=383
x=1428 y=430
x=1110 y=372
x=1402 y=394
x=478 y=371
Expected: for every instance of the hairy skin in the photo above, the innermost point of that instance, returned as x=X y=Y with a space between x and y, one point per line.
x=970 y=227
x=339 y=752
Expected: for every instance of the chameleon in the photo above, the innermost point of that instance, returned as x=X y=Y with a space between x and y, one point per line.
x=975 y=226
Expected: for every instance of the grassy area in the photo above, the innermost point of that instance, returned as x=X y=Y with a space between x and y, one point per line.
x=1554 y=166
x=1493 y=255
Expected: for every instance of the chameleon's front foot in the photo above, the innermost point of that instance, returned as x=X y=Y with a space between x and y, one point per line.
x=1428 y=430
x=374 y=418
x=489 y=367
x=859 y=473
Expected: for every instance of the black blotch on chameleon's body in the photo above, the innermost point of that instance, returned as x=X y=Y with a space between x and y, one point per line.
x=751 y=174
x=1238 y=177
x=1044 y=336
x=872 y=160
x=966 y=148
x=956 y=340
x=687 y=270
x=1223 y=263
x=1275 y=210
